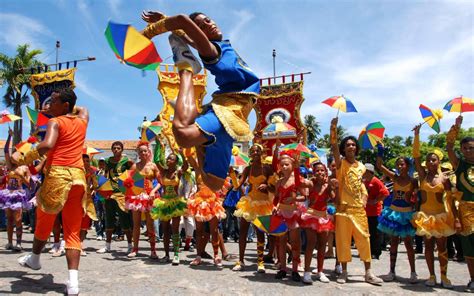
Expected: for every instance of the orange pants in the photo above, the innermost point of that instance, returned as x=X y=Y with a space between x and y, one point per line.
x=72 y=214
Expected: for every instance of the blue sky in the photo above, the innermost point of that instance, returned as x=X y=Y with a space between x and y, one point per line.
x=387 y=56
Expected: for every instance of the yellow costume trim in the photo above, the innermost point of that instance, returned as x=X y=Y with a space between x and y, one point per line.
x=155 y=28
x=232 y=110
x=250 y=208
x=55 y=189
x=452 y=134
x=416 y=147
x=90 y=208
x=401 y=209
x=358 y=217
x=433 y=225
x=465 y=183
x=466 y=217
x=29 y=157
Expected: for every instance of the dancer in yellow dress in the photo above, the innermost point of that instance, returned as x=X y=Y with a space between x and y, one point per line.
x=435 y=219
x=257 y=203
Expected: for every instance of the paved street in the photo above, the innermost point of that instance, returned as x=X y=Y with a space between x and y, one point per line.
x=114 y=274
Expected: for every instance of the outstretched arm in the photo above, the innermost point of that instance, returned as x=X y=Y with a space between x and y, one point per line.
x=379 y=163
x=6 y=150
x=417 y=153
x=451 y=139
x=181 y=22
x=333 y=141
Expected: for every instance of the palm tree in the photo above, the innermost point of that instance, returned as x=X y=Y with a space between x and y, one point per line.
x=323 y=142
x=17 y=81
x=312 y=128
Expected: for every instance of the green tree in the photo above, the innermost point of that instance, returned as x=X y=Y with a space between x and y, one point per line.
x=313 y=128
x=323 y=142
x=17 y=82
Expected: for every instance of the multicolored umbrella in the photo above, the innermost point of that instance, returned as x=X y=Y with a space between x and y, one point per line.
x=131 y=47
x=131 y=183
x=26 y=146
x=371 y=134
x=151 y=129
x=320 y=152
x=460 y=104
x=39 y=119
x=271 y=224
x=91 y=151
x=239 y=160
x=279 y=130
x=104 y=189
x=431 y=116
x=341 y=103
x=298 y=148
x=5 y=117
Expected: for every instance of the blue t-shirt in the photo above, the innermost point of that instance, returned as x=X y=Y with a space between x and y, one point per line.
x=231 y=73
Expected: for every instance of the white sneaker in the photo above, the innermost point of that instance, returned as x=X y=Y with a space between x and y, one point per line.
x=59 y=252
x=18 y=248
x=103 y=250
x=27 y=262
x=390 y=277
x=413 y=278
x=83 y=253
x=470 y=287
x=315 y=271
x=342 y=278
x=307 y=278
x=372 y=278
x=182 y=55
x=322 y=277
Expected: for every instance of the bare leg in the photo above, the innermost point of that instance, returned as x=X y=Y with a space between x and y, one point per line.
x=310 y=245
x=322 y=240
x=166 y=237
x=10 y=224
x=150 y=228
x=442 y=255
x=429 y=255
x=295 y=240
x=393 y=252
x=410 y=252
x=137 y=218
x=244 y=228
x=18 y=225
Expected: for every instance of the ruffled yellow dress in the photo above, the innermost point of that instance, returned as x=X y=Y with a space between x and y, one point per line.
x=257 y=203
x=434 y=219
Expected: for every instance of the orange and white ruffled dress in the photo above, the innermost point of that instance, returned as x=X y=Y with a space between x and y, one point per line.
x=257 y=203
x=205 y=204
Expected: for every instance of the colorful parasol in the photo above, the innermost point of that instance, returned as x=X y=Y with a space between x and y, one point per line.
x=298 y=148
x=460 y=104
x=150 y=129
x=5 y=117
x=341 y=103
x=104 y=189
x=131 y=183
x=39 y=119
x=271 y=224
x=131 y=47
x=431 y=116
x=26 y=146
x=238 y=158
x=91 y=151
x=371 y=134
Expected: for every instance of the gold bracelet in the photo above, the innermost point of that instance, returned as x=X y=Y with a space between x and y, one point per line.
x=452 y=135
x=416 y=147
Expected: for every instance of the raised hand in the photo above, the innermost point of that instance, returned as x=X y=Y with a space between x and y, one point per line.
x=416 y=129
x=152 y=16
x=458 y=121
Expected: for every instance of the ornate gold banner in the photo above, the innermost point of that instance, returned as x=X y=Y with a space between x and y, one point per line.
x=43 y=84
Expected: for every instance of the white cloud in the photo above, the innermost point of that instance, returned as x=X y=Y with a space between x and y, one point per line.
x=19 y=29
x=244 y=17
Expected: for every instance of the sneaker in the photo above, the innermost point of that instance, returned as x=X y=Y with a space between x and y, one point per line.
x=83 y=253
x=175 y=260
x=281 y=274
x=9 y=246
x=27 y=262
x=197 y=261
x=59 y=252
x=132 y=254
x=322 y=277
x=71 y=290
x=431 y=282
x=103 y=250
x=260 y=267
x=165 y=259
x=99 y=238
x=470 y=287
x=295 y=276
x=218 y=262
x=413 y=278
x=445 y=282
x=338 y=269
x=238 y=266
x=18 y=248
x=372 y=279
x=342 y=278
x=182 y=55
x=389 y=277
x=315 y=271
x=307 y=278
